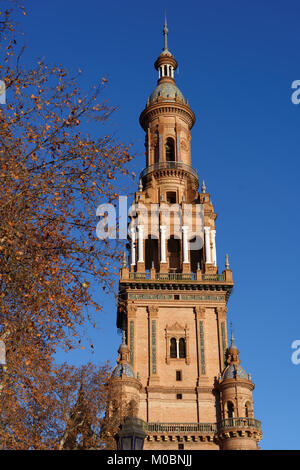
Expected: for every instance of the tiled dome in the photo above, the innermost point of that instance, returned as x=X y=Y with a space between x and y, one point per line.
x=231 y=372
x=167 y=91
x=122 y=369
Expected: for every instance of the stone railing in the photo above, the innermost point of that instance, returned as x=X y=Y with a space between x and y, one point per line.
x=140 y=276
x=203 y=427
x=169 y=166
x=176 y=276
x=239 y=423
x=181 y=427
x=212 y=277
x=154 y=276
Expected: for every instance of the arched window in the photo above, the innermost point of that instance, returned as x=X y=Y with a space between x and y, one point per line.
x=151 y=253
x=230 y=409
x=132 y=408
x=170 y=150
x=182 y=348
x=156 y=153
x=248 y=412
x=173 y=348
x=166 y=71
x=173 y=247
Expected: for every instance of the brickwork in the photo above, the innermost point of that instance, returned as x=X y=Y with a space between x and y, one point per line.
x=175 y=314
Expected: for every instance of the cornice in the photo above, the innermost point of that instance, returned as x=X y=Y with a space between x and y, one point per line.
x=160 y=108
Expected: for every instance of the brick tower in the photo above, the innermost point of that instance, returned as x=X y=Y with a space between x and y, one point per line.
x=174 y=365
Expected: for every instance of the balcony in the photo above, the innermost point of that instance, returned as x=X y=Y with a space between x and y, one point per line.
x=225 y=424
x=181 y=427
x=175 y=276
x=154 y=276
x=240 y=423
x=169 y=166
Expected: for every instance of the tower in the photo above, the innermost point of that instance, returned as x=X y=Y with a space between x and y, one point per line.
x=177 y=370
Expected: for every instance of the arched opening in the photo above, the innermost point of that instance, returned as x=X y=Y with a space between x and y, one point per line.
x=248 y=409
x=196 y=253
x=170 y=150
x=230 y=409
x=132 y=408
x=171 y=197
x=156 y=154
x=182 y=348
x=173 y=348
x=151 y=253
x=174 y=253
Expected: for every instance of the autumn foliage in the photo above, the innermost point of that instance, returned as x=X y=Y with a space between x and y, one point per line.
x=53 y=175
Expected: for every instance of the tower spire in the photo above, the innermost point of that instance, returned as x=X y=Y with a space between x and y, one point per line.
x=165 y=33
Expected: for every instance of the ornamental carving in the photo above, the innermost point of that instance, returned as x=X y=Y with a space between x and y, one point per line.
x=221 y=312
x=152 y=310
x=177 y=331
x=200 y=311
x=131 y=310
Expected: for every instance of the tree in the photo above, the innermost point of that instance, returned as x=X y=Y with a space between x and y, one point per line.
x=53 y=175
x=62 y=409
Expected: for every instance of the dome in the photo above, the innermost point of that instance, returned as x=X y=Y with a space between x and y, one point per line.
x=122 y=369
x=168 y=91
x=231 y=372
x=166 y=52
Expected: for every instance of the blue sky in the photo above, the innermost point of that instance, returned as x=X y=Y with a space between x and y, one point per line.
x=237 y=61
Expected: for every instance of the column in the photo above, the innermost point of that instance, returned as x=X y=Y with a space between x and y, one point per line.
x=185 y=246
x=163 y=229
x=141 y=243
x=222 y=334
x=133 y=260
x=207 y=244
x=177 y=347
x=214 y=251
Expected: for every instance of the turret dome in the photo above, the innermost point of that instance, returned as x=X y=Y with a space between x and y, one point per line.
x=122 y=369
x=167 y=91
x=233 y=371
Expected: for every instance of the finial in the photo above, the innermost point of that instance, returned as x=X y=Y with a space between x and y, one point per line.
x=198 y=266
x=152 y=266
x=203 y=187
x=227 y=262
x=165 y=33
x=124 y=260
x=141 y=185
x=232 y=337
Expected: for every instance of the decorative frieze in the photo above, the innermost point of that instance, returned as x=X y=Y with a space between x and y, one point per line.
x=131 y=341
x=224 y=346
x=153 y=346
x=202 y=354
x=150 y=296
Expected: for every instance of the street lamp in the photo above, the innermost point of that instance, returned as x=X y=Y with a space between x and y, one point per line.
x=132 y=434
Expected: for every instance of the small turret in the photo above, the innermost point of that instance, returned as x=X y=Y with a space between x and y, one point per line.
x=237 y=428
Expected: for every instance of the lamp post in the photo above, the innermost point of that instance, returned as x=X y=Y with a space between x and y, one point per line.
x=132 y=434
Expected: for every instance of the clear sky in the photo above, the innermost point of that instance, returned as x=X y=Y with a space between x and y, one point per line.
x=237 y=61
